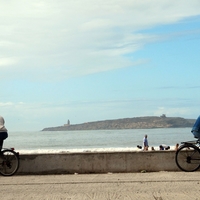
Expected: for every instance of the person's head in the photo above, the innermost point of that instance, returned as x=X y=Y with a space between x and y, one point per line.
x=145 y=136
x=1 y=122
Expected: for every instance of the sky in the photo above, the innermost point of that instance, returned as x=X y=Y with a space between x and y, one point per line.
x=85 y=60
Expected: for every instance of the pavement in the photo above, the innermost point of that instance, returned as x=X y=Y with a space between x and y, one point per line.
x=155 y=185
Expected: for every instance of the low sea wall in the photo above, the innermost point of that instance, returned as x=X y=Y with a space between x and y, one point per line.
x=98 y=162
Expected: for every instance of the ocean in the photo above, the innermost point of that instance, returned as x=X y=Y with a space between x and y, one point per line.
x=94 y=140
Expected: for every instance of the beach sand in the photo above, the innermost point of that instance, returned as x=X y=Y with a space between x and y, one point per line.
x=156 y=185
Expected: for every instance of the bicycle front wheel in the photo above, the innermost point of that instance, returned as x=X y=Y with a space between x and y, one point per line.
x=188 y=158
x=9 y=162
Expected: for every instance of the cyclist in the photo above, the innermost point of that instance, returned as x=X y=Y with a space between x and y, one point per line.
x=196 y=128
x=3 y=132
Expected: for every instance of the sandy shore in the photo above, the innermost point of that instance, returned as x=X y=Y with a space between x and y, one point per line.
x=158 y=185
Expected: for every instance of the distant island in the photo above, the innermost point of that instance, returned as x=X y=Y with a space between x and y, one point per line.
x=148 y=122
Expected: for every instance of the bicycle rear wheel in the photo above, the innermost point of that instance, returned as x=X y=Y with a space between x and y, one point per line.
x=188 y=158
x=9 y=162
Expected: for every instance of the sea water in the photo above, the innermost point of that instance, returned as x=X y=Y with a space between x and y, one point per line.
x=94 y=140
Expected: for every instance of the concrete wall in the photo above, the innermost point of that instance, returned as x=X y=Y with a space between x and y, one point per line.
x=100 y=162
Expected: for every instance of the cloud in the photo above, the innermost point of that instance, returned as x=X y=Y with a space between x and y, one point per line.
x=194 y=87
x=5 y=62
x=6 y=104
x=48 y=39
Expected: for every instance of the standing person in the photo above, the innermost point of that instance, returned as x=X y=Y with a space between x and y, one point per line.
x=176 y=147
x=145 y=143
x=3 y=132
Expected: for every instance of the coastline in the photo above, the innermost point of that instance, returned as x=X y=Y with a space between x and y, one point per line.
x=148 y=122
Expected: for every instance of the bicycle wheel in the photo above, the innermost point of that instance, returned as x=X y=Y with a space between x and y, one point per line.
x=9 y=162
x=188 y=158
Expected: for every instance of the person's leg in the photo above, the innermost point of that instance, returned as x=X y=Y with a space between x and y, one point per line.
x=3 y=136
x=1 y=144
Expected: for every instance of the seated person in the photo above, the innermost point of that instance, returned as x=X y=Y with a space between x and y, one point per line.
x=164 y=147
x=139 y=147
x=161 y=147
x=152 y=148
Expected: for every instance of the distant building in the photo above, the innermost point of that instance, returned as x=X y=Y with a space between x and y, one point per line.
x=68 y=123
x=163 y=116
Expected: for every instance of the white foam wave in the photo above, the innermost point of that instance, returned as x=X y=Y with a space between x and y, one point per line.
x=89 y=150
x=53 y=151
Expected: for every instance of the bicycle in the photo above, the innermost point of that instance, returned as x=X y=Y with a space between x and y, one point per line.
x=9 y=161
x=188 y=156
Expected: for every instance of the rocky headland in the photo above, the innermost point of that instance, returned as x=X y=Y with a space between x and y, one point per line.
x=128 y=123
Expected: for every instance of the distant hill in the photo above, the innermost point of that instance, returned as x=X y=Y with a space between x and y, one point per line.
x=129 y=123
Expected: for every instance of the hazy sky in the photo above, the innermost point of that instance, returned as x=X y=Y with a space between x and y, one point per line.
x=87 y=60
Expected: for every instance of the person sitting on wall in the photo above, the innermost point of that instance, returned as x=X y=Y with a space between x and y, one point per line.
x=161 y=147
x=167 y=147
x=164 y=147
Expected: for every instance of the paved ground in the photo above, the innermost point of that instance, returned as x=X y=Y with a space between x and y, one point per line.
x=158 y=185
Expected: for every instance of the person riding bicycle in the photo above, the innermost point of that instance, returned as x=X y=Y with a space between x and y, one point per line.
x=196 y=128
x=3 y=132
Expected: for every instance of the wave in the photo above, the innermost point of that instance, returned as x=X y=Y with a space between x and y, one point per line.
x=89 y=150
